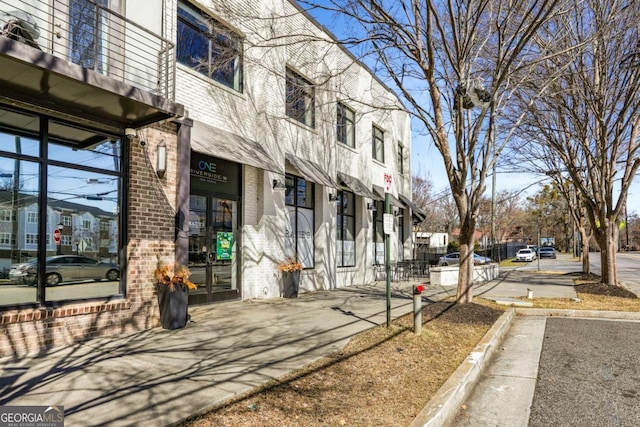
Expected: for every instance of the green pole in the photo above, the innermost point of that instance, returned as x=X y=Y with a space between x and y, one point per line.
x=387 y=261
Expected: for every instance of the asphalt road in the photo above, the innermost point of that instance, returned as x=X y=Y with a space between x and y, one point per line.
x=589 y=374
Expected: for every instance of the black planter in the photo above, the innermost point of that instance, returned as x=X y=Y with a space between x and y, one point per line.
x=291 y=282
x=173 y=307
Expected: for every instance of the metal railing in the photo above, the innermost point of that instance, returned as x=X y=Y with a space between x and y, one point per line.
x=86 y=33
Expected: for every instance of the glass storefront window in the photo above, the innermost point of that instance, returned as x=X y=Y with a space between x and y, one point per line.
x=68 y=248
x=346 y=229
x=19 y=204
x=299 y=234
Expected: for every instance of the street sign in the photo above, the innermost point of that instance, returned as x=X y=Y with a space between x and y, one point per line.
x=387 y=182
x=56 y=236
x=387 y=223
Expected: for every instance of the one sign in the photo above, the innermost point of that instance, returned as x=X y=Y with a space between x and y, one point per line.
x=387 y=182
x=387 y=224
x=56 y=236
x=224 y=245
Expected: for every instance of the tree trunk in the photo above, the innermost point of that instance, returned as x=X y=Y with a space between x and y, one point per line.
x=584 y=249
x=465 y=274
x=607 y=237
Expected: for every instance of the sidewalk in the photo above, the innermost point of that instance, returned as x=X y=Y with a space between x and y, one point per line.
x=166 y=376
x=230 y=348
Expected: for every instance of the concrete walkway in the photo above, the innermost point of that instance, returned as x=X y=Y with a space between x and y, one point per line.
x=167 y=376
x=230 y=348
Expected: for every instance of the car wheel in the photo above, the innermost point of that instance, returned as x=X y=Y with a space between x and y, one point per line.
x=112 y=275
x=52 y=279
x=444 y=264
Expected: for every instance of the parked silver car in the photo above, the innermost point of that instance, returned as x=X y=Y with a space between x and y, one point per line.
x=454 y=258
x=65 y=268
x=547 y=252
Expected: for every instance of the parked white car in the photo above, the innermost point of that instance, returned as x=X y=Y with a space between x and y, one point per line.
x=526 y=255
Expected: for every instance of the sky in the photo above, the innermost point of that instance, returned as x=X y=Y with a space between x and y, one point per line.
x=426 y=161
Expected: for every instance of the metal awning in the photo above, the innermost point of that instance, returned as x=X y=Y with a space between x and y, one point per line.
x=415 y=210
x=311 y=171
x=355 y=185
x=45 y=83
x=217 y=142
x=380 y=193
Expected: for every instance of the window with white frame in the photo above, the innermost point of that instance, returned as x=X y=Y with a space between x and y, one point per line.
x=209 y=47
x=5 y=215
x=346 y=126
x=32 y=217
x=346 y=229
x=5 y=238
x=300 y=99
x=31 y=239
x=378 y=144
x=65 y=240
x=86 y=224
x=65 y=220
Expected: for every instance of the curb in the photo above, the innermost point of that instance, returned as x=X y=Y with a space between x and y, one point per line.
x=557 y=312
x=444 y=405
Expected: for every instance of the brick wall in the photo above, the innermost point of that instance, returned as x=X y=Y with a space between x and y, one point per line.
x=150 y=238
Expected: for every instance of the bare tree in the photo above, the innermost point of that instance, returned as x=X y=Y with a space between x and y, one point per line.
x=456 y=63
x=441 y=215
x=589 y=121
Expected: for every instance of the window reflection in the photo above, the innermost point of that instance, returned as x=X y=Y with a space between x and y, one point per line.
x=79 y=223
x=19 y=133
x=19 y=219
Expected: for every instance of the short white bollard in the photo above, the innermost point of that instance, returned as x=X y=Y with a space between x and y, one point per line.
x=529 y=293
x=417 y=309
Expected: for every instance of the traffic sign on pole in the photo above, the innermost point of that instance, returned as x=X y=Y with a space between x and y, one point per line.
x=56 y=236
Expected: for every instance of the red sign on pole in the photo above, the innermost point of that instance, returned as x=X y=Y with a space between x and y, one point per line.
x=56 y=236
x=387 y=183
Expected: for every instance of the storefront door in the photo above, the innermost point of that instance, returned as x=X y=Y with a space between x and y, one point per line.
x=212 y=248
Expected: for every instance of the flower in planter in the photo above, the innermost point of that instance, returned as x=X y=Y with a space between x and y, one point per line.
x=290 y=265
x=172 y=275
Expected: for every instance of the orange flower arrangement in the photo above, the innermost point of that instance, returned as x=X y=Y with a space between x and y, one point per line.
x=290 y=265
x=170 y=275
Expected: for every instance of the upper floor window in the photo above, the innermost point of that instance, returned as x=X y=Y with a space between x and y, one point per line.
x=65 y=220
x=301 y=99
x=346 y=127
x=88 y=34
x=32 y=217
x=378 y=144
x=209 y=47
x=400 y=158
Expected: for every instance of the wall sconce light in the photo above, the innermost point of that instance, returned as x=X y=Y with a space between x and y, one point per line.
x=278 y=185
x=372 y=206
x=332 y=197
x=161 y=165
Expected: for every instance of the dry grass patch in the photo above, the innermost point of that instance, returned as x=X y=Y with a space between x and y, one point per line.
x=593 y=295
x=383 y=377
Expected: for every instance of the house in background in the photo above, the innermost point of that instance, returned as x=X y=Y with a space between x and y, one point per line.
x=152 y=131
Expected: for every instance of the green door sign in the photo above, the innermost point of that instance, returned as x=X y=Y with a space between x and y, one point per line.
x=224 y=245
